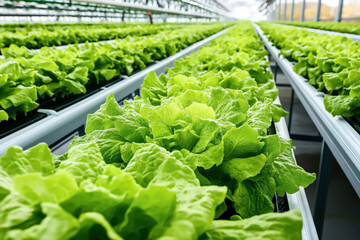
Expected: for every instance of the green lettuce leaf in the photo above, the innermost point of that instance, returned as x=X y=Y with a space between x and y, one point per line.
x=289 y=176
x=276 y=226
x=241 y=142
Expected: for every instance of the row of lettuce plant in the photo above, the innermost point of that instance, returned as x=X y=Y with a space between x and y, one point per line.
x=36 y=37
x=189 y=160
x=51 y=25
x=28 y=77
x=330 y=63
x=343 y=27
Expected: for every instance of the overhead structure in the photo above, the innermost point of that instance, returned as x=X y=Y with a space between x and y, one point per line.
x=112 y=10
x=311 y=10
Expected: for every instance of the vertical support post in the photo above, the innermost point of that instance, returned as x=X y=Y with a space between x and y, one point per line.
x=285 y=8
x=291 y=109
x=275 y=72
x=318 y=11
x=137 y=92
x=322 y=188
x=302 y=16
x=339 y=11
x=276 y=8
x=292 y=10
x=150 y=17
x=279 y=14
x=269 y=12
x=81 y=130
x=274 y=18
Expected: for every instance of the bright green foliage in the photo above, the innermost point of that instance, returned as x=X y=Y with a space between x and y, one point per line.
x=14 y=162
x=241 y=142
x=345 y=27
x=161 y=167
x=218 y=132
x=41 y=35
x=330 y=63
x=68 y=205
x=29 y=78
x=266 y=226
x=288 y=176
x=342 y=105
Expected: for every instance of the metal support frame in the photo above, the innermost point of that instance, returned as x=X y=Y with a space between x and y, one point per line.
x=285 y=8
x=338 y=17
x=274 y=13
x=292 y=10
x=71 y=8
x=351 y=18
x=58 y=144
x=323 y=180
x=81 y=130
x=27 y=14
x=283 y=85
x=276 y=71
x=52 y=128
x=291 y=109
x=279 y=13
x=210 y=13
x=318 y=11
x=326 y=19
x=308 y=138
x=302 y=16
